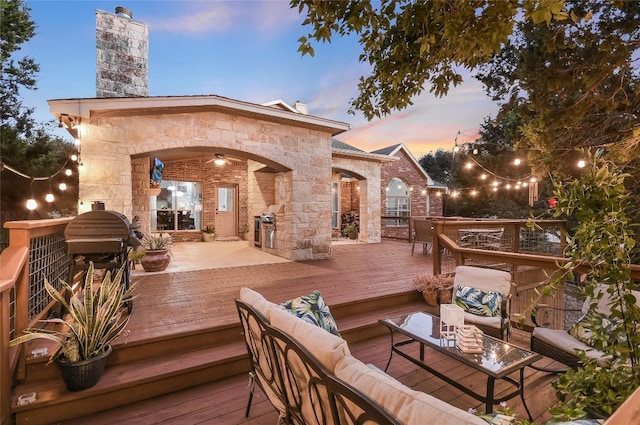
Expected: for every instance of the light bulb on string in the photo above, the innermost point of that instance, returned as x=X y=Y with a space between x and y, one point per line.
x=581 y=163
x=62 y=186
x=77 y=142
x=517 y=161
x=74 y=157
x=469 y=165
x=49 y=195
x=483 y=176
x=80 y=165
x=68 y=171
x=31 y=203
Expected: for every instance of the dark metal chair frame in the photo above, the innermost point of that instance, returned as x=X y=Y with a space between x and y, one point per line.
x=422 y=233
x=297 y=379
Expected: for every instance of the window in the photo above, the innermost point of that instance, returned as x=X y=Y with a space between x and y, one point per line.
x=398 y=203
x=335 y=204
x=177 y=207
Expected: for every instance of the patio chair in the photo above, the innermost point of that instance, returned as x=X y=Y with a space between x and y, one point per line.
x=422 y=233
x=485 y=294
x=560 y=344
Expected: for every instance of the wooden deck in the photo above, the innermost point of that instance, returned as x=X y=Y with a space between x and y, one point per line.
x=192 y=302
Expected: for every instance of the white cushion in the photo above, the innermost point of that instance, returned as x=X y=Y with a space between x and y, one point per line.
x=564 y=341
x=324 y=346
x=257 y=301
x=408 y=406
x=485 y=279
x=492 y=322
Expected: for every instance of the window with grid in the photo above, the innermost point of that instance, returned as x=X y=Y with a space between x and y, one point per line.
x=177 y=207
x=398 y=203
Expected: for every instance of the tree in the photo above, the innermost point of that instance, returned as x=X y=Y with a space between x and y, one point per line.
x=572 y=84
x=411 y=44
x=16 y=28
x=26 y=146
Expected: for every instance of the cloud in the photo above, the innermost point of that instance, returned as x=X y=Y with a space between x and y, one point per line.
x=206 y=17
x=429 y=124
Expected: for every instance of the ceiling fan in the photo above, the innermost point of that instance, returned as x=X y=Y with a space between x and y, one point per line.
x=221 y=160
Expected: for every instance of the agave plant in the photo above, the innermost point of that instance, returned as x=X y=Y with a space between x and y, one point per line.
x=93 y=321
x=157 y=241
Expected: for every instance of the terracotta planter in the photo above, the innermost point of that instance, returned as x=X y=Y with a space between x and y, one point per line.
x=156 y=260
x=208 y=237
x=431 y=297
x=83 y=374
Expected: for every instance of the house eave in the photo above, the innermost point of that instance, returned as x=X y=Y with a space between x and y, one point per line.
x=344 y=153
x=130 y=106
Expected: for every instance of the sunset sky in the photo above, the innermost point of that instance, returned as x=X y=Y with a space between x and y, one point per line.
x=245 y=50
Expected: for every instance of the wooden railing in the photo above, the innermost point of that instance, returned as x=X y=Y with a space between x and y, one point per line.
x=531 y=256
x=36 y=250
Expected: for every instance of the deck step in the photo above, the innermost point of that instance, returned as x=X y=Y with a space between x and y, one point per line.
x=142 y=370
x=130 y=382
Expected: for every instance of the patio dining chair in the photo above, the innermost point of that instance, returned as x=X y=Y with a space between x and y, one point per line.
x=422 y=233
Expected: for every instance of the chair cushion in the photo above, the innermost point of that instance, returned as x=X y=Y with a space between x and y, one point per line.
x=477 y=301
x=483 y=278
x=408 y=406
x=561 y=340
x=312 y=309
x=257 y=301
x=326 y=347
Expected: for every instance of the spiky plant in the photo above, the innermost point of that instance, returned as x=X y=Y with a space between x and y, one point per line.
x=93 y=321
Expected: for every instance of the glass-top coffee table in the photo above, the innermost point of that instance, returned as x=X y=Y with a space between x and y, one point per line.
x=498 y=359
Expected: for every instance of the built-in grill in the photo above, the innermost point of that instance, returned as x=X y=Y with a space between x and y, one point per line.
x=268 y=224
x=101 y=237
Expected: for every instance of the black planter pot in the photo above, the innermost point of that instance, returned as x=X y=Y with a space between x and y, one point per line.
x=83 y=374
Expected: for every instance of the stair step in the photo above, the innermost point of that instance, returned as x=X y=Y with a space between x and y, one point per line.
x=141 y=370
x=129 y=382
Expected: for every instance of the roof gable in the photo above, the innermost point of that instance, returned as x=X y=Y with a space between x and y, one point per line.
x=401 y=148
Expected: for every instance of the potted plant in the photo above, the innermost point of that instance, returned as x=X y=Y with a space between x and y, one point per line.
x=157 y=247
x=350 y=230
x=244 y=232
x=93 y=321
x=208 y=234
x=429 y=284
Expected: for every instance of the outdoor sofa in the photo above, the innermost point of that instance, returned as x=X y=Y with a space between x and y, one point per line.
x=310 y=377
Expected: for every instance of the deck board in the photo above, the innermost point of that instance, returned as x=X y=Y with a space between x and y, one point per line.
x=170 y=303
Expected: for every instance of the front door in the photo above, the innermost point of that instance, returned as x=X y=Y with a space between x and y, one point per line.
x=226 y=210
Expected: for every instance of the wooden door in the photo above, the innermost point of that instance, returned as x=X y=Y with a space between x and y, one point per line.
x=226 y=210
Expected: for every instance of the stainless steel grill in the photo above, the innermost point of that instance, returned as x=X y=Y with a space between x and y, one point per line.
x=101 y=237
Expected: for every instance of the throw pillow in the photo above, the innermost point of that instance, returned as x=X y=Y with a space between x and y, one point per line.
x=582 y=330
x=479 y=302
x=312 y=309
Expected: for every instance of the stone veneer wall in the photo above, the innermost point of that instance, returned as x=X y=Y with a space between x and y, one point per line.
x=122 y=56
x=304 y=225
x=368 y=195
x=405 y=169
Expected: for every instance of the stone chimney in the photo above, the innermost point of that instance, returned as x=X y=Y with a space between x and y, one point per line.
x=122 y=55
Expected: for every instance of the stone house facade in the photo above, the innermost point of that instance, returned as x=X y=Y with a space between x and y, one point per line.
x=273 y=157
